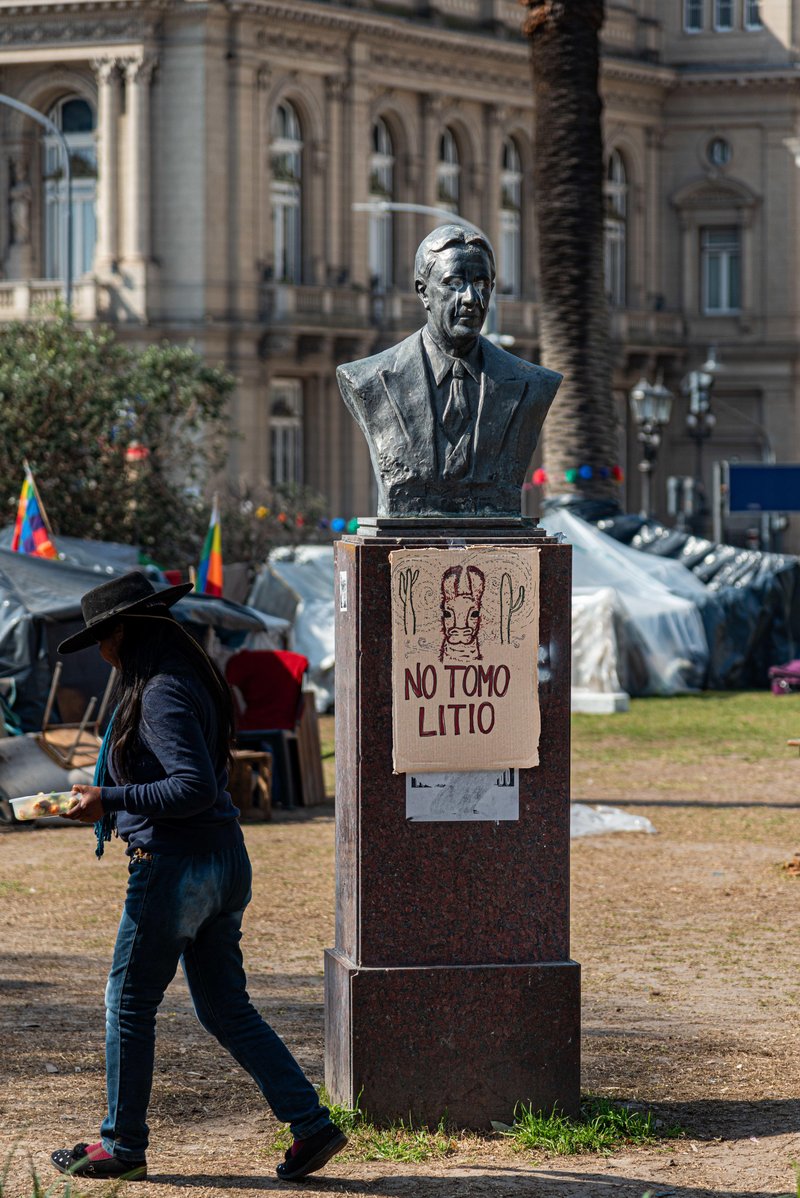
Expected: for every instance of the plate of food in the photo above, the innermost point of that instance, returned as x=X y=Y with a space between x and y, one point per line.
x=55 y=802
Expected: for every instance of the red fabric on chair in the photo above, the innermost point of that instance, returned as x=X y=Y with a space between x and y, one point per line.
x=271 y=681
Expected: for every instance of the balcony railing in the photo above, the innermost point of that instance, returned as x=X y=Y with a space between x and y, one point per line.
x=634 y=327
x=299 y=304
x=26 y=299
x=317 y=307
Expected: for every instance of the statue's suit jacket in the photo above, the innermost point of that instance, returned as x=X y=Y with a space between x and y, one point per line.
x=390 y=397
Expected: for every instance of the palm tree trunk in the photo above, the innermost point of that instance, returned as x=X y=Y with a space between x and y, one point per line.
x=581 y=429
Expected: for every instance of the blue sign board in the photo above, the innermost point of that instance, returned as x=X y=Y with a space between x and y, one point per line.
x=763 y=487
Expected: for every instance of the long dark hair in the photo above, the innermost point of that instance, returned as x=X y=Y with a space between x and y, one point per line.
x=147 y=642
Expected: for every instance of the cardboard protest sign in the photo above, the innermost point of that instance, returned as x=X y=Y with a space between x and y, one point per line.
x=465 y=633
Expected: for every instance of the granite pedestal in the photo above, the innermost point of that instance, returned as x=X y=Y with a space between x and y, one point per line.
x=450 y=990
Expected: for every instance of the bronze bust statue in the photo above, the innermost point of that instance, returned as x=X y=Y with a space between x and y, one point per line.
x=451 y=419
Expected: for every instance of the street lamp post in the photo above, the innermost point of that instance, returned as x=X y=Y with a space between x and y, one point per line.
x=651 y=406
x=700 y=424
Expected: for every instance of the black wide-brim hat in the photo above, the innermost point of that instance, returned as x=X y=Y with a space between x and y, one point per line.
x=131 y=594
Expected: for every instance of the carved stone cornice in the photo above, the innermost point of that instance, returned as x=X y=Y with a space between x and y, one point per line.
x=288 y=15
x=67 y=31
x=652 y=105
x=289 y=41
x=630 y=70
x=754 y=78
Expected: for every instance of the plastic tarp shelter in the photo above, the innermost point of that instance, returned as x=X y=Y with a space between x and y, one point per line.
x=644 y=620
x=751 y=602
x=104 y=557
x=635 y=625
x=297 y=584
x=40 y=606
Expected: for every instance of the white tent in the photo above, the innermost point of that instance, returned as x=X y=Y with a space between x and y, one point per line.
x=635 y=624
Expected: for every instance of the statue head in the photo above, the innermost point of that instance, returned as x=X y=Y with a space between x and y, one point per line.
x=454 y=276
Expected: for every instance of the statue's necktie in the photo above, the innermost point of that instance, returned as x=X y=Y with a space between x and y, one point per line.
x=457 y=423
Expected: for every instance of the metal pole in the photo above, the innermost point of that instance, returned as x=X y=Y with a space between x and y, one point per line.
x=428 y=210
x=698 y=469
x=645 y=508
x=716 y=502
x=35 y=115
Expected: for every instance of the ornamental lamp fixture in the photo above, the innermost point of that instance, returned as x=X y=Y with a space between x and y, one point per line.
x=651 y=405
x=700 y=424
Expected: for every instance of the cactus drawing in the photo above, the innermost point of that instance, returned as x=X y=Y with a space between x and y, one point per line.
x=406 y=580
x=508 y=606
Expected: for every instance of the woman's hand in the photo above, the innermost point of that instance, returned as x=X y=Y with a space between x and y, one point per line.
x=88 y=808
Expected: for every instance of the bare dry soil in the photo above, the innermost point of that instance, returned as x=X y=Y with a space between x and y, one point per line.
x=690 y=952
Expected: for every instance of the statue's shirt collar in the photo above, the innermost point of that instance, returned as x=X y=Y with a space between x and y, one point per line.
x=442 y=363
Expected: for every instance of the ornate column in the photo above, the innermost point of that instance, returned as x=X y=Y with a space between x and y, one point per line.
x=494 y=124
x=336 y=90
x=431 y=130
x=108 y=105
x=647 y=214
x=318 y=241
x=359 y=142
x=138 y=74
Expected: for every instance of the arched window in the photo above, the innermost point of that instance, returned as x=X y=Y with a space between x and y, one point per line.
x=381 y=187
x=448 y=172
x=616 y=230
x=286 y=153
x=286 y=431
x=76 y=120
x=509 y=280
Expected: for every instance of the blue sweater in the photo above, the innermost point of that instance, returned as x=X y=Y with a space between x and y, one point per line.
x=177 y=801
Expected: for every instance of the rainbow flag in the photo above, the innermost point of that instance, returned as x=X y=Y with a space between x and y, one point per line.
x=209 y=572
x=31 y=533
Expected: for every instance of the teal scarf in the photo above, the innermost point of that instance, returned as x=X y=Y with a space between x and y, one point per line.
x=104 y=827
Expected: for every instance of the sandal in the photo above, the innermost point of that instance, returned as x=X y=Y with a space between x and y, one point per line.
x=80 y=1162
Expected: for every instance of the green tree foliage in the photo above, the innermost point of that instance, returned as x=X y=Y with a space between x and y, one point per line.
x=73 y=401
x=259 y=518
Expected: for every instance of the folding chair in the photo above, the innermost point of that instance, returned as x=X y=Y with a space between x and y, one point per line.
x=268 y=686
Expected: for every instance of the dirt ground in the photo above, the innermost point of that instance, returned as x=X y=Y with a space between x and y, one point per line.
x=691 y=982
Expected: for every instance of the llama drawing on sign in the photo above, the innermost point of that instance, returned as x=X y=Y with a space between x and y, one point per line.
x=461 y=614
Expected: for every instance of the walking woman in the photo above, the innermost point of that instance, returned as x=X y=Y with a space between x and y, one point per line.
x=161 y=785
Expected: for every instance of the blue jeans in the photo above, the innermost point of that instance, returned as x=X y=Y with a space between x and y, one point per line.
x=189 y=910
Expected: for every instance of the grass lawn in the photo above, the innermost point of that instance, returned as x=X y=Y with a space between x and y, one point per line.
x=748 y=725
x=752 y=725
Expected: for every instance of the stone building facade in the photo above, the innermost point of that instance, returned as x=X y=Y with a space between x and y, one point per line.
x=219 y=149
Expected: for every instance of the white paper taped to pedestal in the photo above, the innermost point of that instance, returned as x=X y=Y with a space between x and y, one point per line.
x=478 y=795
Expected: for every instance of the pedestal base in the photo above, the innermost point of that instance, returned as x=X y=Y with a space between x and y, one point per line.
x=467 y=1042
